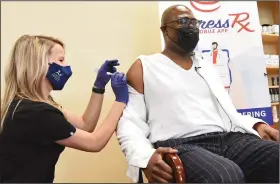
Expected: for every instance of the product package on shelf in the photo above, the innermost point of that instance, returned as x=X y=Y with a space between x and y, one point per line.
x=271 y=60
x=270 y=29
x=274 y=95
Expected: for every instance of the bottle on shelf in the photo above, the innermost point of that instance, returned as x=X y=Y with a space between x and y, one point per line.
x=277 y=81
x=275 y=29
x=271 y=95
x=276 y=95
x=272 y=81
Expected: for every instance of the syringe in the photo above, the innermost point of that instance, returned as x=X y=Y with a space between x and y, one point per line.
x=108 y=73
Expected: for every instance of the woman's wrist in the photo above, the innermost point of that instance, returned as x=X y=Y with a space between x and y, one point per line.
x=98 y=90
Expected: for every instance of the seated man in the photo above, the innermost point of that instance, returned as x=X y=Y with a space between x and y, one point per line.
x=178 y=103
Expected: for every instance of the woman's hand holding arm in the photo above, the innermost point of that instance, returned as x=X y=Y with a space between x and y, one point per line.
x=89 y=119
x=96 y=141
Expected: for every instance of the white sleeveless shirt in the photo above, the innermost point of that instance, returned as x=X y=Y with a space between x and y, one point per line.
x=179 y=102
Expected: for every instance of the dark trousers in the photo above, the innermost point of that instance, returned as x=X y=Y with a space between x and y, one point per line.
x=232 y=157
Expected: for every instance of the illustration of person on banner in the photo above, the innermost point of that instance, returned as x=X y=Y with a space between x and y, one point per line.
x=216 y=54
x=220 y=59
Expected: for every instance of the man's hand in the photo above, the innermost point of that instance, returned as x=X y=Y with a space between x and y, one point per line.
x=157 y=170
x=266 y=132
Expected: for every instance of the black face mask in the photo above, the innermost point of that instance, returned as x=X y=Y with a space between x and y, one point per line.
x=187 y=38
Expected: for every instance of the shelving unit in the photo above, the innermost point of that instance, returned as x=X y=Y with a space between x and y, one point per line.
x=270 y=38
x=272 y=87
x=275 y=104
x=268 y=14
x=273 y=68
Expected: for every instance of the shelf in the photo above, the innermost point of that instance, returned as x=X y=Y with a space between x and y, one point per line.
x=268 y=12
x=273 y=86
x=275 y=104
x=270 y=38
x=272 y=68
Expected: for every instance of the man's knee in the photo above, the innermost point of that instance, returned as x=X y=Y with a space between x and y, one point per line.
x=201 y=166
x=275 y=149
x=271 y=160
x=227 y=173
x=234 y=174
x=270 y=153
x=262 y=164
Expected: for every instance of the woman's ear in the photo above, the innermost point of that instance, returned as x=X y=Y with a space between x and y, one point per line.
x=50 y=61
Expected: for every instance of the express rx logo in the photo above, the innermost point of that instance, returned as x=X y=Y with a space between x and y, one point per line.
x=57 y=75
x=205 y=6
x=239 y=21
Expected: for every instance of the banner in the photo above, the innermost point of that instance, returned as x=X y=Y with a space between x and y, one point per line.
x=230 y=38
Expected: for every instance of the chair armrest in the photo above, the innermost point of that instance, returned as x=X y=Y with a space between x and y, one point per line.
x=275 y=125
x=173 y=160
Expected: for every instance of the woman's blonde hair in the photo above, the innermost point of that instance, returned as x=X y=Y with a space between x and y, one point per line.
x=26 y=70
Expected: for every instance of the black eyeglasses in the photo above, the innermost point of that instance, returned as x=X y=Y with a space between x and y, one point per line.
x=187 y=22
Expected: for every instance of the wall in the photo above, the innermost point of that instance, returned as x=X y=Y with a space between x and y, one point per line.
x=92 y=32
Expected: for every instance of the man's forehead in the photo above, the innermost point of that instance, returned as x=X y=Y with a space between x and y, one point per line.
x=180 y=12
x=182 y=8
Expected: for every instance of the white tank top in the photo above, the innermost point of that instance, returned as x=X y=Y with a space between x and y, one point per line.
x=179 y=102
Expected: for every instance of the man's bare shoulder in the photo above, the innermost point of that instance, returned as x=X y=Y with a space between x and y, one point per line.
x=135 y=76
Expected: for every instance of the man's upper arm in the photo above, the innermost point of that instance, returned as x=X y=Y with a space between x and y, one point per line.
x=135 y=76
x=132 y=130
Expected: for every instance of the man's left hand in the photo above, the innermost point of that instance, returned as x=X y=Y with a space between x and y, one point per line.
x=267 y=132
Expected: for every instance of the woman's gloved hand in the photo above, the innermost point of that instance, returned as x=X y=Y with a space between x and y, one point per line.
x=119 y=86
x=102 y=77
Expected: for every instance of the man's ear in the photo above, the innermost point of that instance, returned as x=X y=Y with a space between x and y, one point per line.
x=163 y=29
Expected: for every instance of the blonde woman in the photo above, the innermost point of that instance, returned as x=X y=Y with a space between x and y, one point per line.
x=34 y=128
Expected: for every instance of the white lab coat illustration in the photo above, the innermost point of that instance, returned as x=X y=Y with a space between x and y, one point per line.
x=221 y=65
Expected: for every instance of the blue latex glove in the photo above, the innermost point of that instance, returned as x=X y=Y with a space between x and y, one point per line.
x=102 y=77
x=119 y=86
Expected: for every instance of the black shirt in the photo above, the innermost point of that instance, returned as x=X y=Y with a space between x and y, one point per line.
x=28 y=152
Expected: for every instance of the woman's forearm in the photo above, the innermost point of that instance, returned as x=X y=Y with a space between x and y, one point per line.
x=105 y=131
x=92 y=112
x=96 y=141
